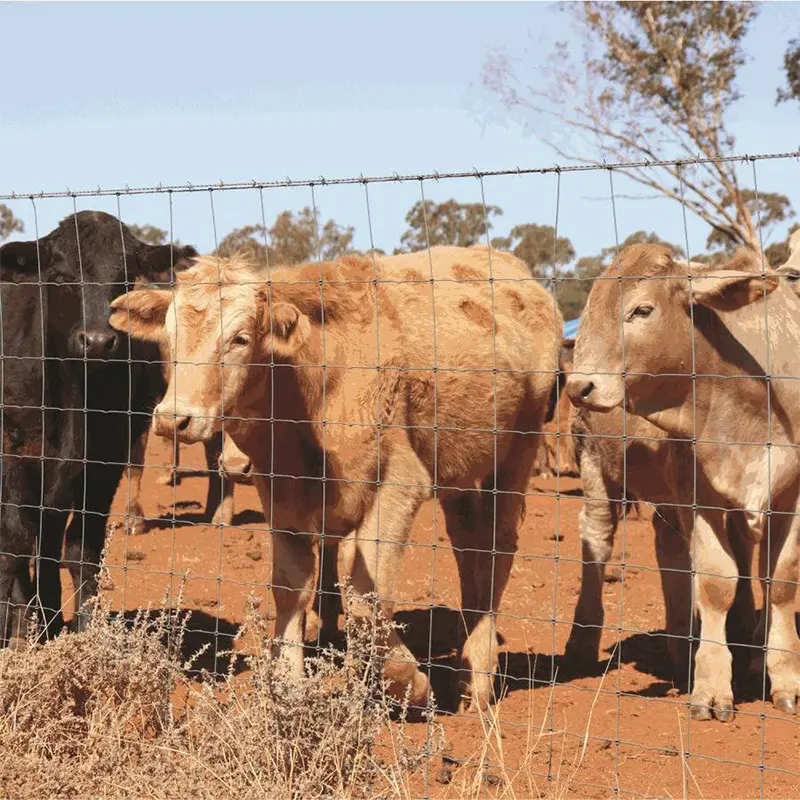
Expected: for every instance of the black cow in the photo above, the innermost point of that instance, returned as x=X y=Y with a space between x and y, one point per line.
x=75 y=395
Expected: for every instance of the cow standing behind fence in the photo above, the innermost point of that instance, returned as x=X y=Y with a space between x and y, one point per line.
x=76 y=395
x=364 y=399
x=712 y=361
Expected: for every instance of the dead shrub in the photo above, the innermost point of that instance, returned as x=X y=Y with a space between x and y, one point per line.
x=113 y=712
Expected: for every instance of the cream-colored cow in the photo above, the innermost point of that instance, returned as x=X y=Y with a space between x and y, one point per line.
x=714 y=363
x=364 y=387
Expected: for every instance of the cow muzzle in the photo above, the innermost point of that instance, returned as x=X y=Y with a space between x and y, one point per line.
x=593 y=392
x=187 y=424
x=94 y=344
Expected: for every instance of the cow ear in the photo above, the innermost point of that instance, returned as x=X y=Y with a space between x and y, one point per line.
x=141 y=313
x=160 y=260
x=728 y=289
x=25 y=258
x=286 y=328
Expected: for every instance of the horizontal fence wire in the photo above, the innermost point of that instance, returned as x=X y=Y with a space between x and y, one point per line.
x=594 y=575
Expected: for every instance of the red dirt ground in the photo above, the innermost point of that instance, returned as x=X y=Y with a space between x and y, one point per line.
x=623 y=729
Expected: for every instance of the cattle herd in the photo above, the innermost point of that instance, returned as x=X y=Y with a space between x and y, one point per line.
x=353 y=391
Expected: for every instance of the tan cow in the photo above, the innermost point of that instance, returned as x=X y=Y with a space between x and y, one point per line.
x=716 y=361
x=367 y=388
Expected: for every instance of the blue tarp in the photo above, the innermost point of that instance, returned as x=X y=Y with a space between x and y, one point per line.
x=571 y=329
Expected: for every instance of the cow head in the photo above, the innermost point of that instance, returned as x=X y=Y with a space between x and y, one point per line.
x=218 y=322
x=87 y=261
x=635 y=342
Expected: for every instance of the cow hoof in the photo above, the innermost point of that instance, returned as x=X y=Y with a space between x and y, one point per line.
x=785 y=702
x=222 y=517
x=724 y=713
x=701 y=713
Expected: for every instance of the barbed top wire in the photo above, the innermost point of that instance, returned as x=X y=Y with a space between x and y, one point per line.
x=288 y=183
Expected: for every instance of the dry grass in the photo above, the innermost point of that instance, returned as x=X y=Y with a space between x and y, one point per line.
x=115 y=712
x=112 y=712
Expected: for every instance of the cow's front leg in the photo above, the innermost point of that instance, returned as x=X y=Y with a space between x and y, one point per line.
x=293 y=584
x=715 y=587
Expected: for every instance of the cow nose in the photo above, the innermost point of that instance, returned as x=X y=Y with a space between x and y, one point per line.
x=182 y=423
x=579 y=388
x=98 y=344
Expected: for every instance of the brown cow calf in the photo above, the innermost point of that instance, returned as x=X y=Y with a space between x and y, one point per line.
x=365 y=389
x=714 y=361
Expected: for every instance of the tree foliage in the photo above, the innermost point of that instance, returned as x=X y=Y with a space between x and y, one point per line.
x=535 y=245
x=767 y=210
x=791 y=65
x=651 y=81
x=149 y=234
x=778 y=253
x=9 y=223
x=292 y=239
x=448 y=223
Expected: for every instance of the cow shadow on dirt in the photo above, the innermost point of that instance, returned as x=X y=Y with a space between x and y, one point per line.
x=183 y=517
x=205 y=645
x=434 y=635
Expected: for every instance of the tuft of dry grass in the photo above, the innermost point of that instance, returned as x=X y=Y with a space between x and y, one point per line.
x=113 y=712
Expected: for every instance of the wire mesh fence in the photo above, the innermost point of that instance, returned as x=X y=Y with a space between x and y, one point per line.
x=565 y=529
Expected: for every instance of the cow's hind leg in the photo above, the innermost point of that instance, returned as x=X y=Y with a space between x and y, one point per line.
x=219 y=501
x=377 y=561
x=675 y=570
x=135 y=522
x=597 y=523
x=322 y=617
x=779 y=558
x=170 y=475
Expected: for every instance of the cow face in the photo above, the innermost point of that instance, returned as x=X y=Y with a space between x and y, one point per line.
x=635 y=343
x=214 y=327
x=87 y=261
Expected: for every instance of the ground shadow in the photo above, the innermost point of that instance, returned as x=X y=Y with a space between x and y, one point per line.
x=167 y=521
x=206 y=642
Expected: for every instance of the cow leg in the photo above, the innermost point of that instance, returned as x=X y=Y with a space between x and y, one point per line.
x=323 y=615
x=484 y=553
x=597 y=523
x=779 y=559
x=219 y=501
x=48 y=571
x=743 y=620
x=169 y=476
x=675 y=569
x=135 y=523
x=377 y=561
x=86 y=534
x=715 y=588
x=22 y=601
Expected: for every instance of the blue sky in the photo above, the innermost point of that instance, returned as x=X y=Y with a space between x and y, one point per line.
x=148 y=93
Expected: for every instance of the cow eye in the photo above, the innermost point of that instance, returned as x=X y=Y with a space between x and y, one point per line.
x=240 y=341
x=793 y=275
x=642 y=311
